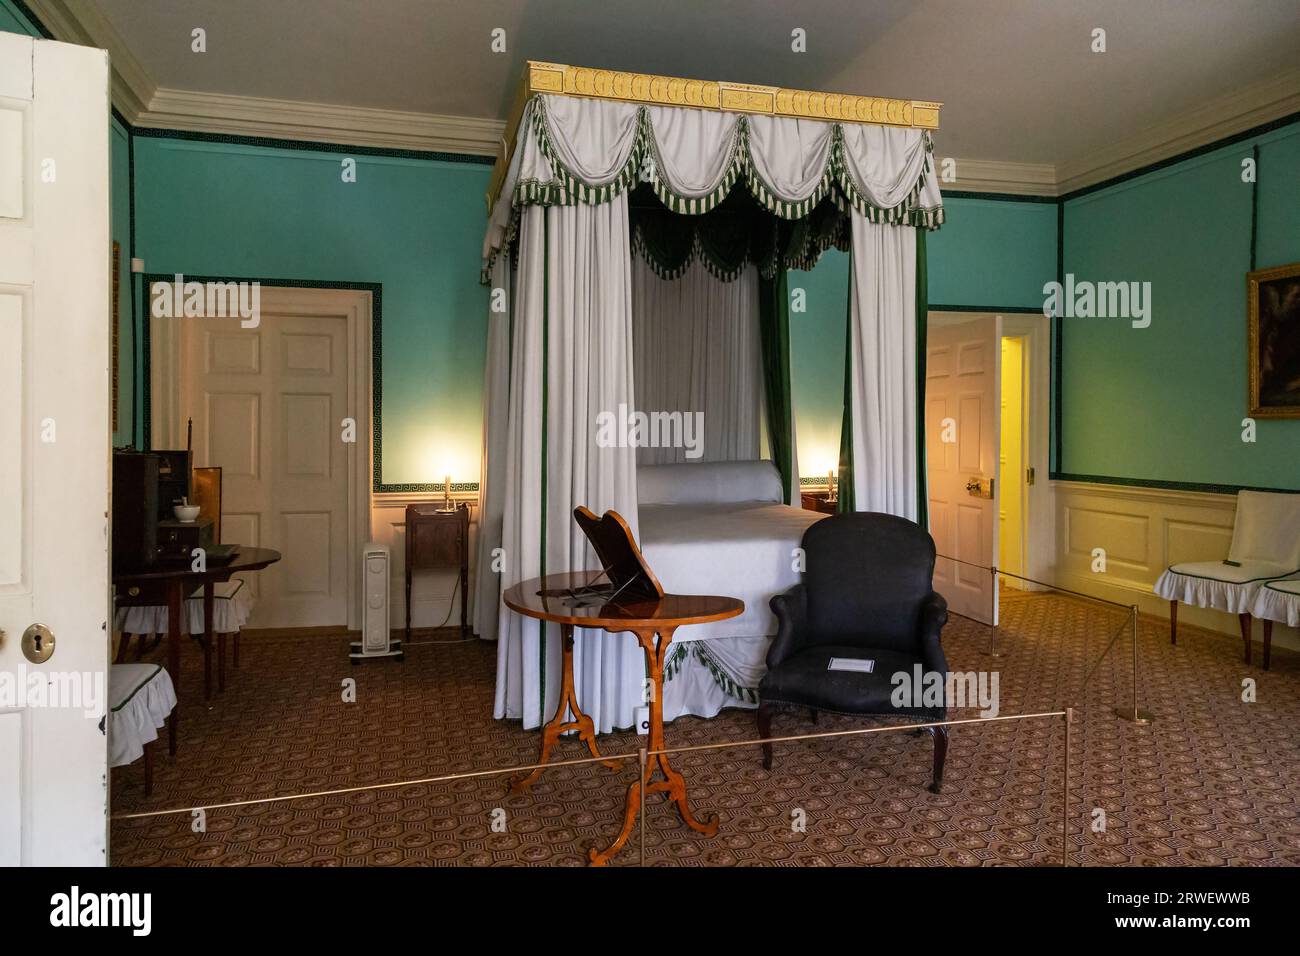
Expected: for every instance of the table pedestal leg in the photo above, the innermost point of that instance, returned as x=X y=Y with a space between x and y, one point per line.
x=558 y=725
x=209 y=591
x=672 y=782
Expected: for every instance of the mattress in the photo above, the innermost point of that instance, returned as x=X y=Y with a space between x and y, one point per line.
x=740 y=549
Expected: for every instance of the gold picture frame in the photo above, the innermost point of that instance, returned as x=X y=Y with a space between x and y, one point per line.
x=1273 y=341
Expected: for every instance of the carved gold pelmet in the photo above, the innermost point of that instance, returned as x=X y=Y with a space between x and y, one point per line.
x=706 y=95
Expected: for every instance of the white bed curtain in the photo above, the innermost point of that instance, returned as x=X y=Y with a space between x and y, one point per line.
x=882 y=340
x=573 y=307
x=695 y=347
x=496 y=408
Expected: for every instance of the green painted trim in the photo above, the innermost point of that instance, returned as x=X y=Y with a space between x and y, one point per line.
x=845 y=494
x=996 y=197
x=1254 y=206
x=1004 y=309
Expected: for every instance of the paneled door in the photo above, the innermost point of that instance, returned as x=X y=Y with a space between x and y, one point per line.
x=54 y=451
x=961 y=443
x=268 y=405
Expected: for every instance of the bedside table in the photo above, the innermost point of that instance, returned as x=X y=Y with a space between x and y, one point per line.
x=817 y=501
x=438 y=539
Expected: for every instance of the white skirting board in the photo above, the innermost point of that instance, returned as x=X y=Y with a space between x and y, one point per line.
x=1143 y=531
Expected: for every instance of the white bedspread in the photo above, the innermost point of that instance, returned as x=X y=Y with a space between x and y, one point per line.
x=738 y=549
x=741 y=549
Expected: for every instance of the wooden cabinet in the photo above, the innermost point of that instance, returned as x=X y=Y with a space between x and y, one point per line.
x=438 y=539
x=817 y=501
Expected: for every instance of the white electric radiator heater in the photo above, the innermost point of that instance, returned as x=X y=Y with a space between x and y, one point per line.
x=376 y=630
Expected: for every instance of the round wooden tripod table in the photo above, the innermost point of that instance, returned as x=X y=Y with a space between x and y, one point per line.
x=653 y=622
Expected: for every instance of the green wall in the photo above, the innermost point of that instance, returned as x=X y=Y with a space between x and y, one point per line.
x=990 y=253
x=11 y=21
x=413 y=225
x=1166 y=402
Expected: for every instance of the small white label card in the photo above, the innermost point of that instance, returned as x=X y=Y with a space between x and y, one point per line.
x=864 y=665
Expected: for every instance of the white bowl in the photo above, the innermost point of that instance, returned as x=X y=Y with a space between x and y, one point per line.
x=185 y=513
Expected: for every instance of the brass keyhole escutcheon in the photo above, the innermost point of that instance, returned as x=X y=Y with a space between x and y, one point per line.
x=38 y=643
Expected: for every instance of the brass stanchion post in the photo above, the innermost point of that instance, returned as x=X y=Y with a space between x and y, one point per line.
x=1133 y=714
x=993 y=614
x=1065 y=791
x=641 y=759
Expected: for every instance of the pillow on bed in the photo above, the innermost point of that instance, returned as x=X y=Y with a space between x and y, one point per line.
x=706 y=483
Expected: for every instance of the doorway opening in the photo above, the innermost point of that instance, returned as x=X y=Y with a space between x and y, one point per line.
x=986 y=420
x=282 y=406
x=1013 y=470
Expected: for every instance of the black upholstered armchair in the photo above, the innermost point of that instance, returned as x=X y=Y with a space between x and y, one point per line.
x=867 y=594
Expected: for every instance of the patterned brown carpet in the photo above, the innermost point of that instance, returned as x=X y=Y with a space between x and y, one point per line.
x=1213 y=781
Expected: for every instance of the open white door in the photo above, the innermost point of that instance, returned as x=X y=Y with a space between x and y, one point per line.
x=961 y=444
x=54 y=449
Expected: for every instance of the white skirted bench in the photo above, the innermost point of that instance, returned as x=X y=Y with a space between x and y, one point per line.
x=231 y=606
x=1277 y=601
x=140 y=699
x=1265 y=547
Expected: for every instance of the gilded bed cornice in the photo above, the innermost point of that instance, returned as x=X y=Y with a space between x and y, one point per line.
x=705 y=95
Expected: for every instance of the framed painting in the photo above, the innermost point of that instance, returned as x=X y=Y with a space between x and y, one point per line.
x=1273 y=341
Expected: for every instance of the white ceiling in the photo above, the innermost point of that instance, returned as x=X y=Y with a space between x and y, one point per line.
x=1017 y=77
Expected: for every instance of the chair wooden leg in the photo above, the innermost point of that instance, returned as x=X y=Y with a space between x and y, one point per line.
x=207 y=668
x=236 y=651
x=123 y=640
x=1245 y=633
x=148 y=769
x=140 y=641
x=1173 y=622
x=940 y=755
x=221 y=663
x=765 y=730
x=1268 y=640
x=171 y=732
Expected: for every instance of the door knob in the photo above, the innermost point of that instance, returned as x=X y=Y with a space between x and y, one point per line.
x=38 y=643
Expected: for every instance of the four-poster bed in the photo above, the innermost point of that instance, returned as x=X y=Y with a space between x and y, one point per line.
x=640 y=233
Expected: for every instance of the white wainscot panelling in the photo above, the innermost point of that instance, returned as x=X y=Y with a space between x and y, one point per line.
x=1143 y=531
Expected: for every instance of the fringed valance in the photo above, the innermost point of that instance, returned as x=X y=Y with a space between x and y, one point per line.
x=572 y=150
x=734 y=234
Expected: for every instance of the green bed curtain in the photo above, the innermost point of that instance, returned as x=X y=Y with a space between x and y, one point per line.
x=844 y=480
x=922 y=316
x=774 y=335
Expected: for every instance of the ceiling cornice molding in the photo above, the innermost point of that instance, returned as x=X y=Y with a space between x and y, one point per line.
x=138 y=98
x=320 y=123
x=132 y=87
x=1210 y=122
x=991 y=176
